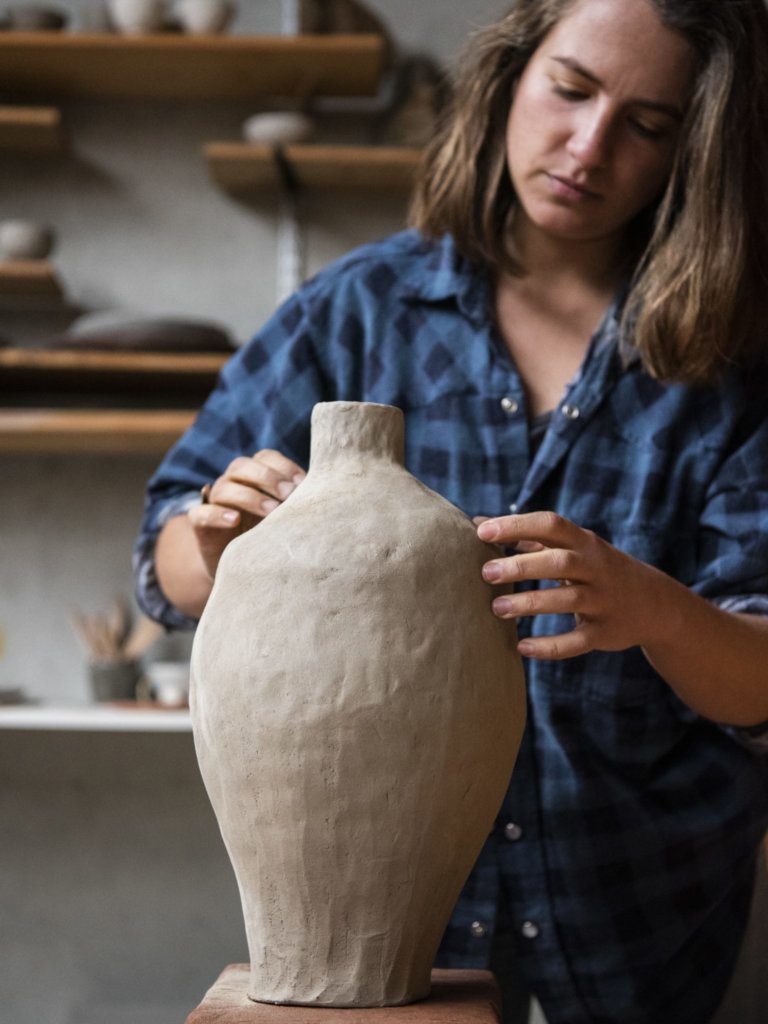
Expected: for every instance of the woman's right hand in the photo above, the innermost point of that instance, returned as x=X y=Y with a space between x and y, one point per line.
x=242 y=496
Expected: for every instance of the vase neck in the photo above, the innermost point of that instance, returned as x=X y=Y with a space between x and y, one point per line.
x=344 y=430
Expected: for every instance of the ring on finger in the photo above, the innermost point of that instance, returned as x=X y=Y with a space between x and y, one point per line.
x=205 y=494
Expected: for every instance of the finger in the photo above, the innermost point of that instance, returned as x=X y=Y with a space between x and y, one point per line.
x=546 y=564
x=267 y=471
x=556 y=648
x=213 y=517
x=547 y=528
x=286 y=467
x=551 y=601
x=242 y=497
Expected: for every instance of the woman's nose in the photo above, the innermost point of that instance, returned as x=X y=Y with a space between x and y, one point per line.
x=589 y=143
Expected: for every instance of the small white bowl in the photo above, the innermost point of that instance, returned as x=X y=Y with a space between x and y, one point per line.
x=137 y=17
x=279 y=127
x=25 y=240
x=168 y=682
x=204 y=17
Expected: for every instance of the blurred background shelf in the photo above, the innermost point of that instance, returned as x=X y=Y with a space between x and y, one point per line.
x=52 y=64
x=50 y=362
x=237 y=166
x=95 y=718
x=31 y=129
x=29 y=278
x=127 y=431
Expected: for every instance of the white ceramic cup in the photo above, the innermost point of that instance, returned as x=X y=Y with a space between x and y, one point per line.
x=137 y=17
x=25 y=240
x=168 y=682
x=201 y=17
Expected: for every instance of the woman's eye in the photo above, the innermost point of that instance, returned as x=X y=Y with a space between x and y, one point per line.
x=568 y=92
x=647 y=131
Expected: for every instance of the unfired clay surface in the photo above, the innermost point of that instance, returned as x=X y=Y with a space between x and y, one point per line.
x=357 y=710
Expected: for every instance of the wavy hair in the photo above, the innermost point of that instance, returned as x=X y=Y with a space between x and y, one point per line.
x=698 y=297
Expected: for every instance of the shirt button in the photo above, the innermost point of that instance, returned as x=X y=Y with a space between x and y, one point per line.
x=571 y=412
x=509 y=405
x=529 y=930
x=478 y=929
x=512 y=832
x=513 y=508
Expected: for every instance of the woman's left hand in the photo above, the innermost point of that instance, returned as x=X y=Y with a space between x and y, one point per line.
x=618 y=601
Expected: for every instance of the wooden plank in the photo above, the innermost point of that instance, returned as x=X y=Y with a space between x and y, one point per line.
x=29 y=277
x=378 y=167
x=69 y=361
x=239 y=166
x=32 y=129
x=50 y=64
x=462 y=996
x=116 y=432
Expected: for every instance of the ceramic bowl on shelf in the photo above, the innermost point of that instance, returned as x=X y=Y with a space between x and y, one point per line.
x=125 y=331
x=33 y=18
x=278 y=127
x=202 y=17
x=137 y=17
x=25 y=240
x=168 y=682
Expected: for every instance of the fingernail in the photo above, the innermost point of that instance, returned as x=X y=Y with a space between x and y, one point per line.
x=501 y=606
x=298 y=477
x=285 y=487
x=487 y=531
x=492 y=572
x=269 y=505
x=526 y=647
x=230 y=516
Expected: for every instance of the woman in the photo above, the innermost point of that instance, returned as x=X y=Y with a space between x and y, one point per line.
x=571 y=332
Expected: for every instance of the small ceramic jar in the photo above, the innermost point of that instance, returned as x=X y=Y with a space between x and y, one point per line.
x=203 y=17
x=34 y=18
x=24 y=240
x=137 y=17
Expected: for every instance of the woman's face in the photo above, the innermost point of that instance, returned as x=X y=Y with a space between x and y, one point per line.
x=594 y=122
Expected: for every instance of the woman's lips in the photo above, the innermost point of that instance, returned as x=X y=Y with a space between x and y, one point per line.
x=565 y=188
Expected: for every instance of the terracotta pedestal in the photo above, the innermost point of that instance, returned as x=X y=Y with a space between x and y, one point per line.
x=458 y=997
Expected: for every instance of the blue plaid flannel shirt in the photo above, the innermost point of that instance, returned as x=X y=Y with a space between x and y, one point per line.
x=627 y=841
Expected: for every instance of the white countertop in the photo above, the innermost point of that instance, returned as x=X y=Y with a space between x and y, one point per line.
x=95 y=718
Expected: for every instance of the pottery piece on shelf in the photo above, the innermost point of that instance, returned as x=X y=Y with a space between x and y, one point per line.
x=200 y=17
x=357 y=710
x=279 y=127
x=25 y=240
x=113 y=680
x=129 y=332
x=137 y=17
x=168 y=682
x=34 y=18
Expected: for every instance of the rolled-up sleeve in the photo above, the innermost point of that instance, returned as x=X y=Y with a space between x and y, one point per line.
x=263 y=399
x=734 y=547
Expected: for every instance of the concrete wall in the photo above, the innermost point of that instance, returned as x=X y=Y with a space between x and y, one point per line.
x=117 y=904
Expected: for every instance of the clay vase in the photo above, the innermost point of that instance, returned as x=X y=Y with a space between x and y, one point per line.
x=357 y=710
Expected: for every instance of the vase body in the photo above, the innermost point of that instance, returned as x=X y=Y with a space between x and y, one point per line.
x=357 y=710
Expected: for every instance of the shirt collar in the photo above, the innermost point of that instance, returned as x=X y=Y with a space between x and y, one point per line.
x=447 y=276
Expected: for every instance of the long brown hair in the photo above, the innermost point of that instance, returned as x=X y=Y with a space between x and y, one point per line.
x=698 y=298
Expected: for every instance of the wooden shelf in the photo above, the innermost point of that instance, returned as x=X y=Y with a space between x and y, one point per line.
x=94 y=718
x=31 y=129
x=53 y=64
x=29 y=278
x=114 y=431
x=70 y=361
x=238 y=167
